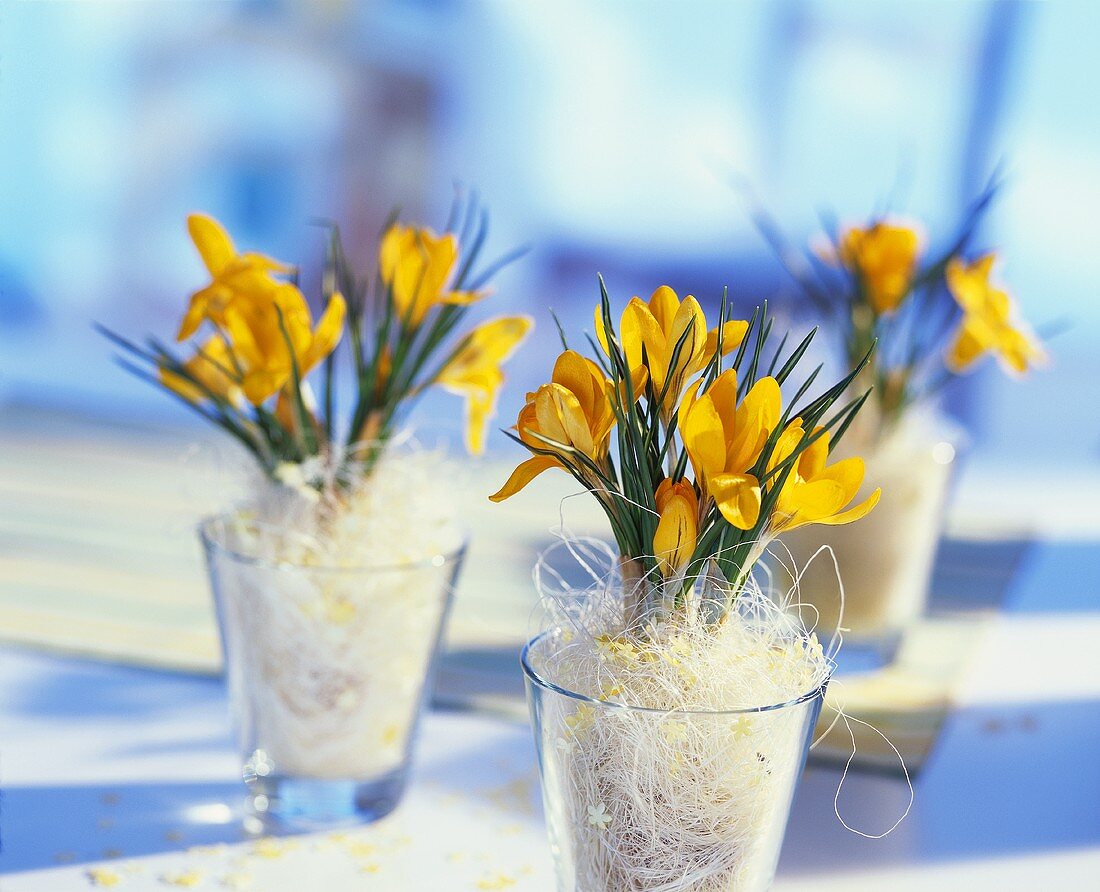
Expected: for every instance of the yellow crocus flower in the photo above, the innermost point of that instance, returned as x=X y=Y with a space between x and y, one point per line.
x=724 y=440
x=474 y=372
x=259 y=345
x=212 y=366
x=232 y=275
x=816 y=492
x=678 y=529
x=658 y=326
x=573 y=410
x=417 y=266
x=884 y=257
x=987 y=324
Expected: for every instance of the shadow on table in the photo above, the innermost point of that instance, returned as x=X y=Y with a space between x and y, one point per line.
x=85 y=689
x=48 y=826
x=1015 y=783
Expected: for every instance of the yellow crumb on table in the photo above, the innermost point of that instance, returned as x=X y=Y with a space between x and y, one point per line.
x=186 y=879
x=269 y=847
x=496 y=881
x=104 y=877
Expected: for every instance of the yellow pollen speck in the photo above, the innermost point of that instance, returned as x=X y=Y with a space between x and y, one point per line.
x=188 y=879
x=267 y=847
x=496 y=881
x=389 y=736
x=340 y=612
x=360 y=849
x=101 y=876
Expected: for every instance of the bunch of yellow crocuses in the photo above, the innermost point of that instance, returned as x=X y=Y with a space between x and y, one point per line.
x=255 y=348
x=710 y=462
x=932 y=319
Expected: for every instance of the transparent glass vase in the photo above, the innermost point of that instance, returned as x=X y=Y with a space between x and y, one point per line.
x=327 y=668
x=658 y=800
x=886 y=559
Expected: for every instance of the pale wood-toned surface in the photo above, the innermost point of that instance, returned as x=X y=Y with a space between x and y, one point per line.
x=99 y=557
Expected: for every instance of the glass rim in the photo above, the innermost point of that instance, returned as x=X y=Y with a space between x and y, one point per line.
x=535 y=678
x=212 y=544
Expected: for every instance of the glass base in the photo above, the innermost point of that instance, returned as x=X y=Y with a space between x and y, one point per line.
x=293 y=804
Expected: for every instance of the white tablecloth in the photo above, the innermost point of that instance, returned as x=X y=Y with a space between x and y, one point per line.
x=132 y=771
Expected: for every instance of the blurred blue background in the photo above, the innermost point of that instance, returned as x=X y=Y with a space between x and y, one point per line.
x=604 y=134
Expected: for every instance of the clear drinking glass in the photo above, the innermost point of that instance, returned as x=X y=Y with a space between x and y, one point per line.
x=327 y=669
x=646 y=799
x=885 y=560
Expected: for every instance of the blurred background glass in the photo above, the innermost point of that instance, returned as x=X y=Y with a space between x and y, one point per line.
x=609 y=136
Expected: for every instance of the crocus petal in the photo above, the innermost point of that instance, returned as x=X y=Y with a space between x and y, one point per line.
x=487 y=346
x=196 y=313
x=738 y=497
x=573 y=372
x=786 y=444
x=884 y=256
x=812 y=459
x=690 y=397
x=965 y=348
x=415 y=264
x=704 y=438
x=327 y=335
x=733 y=333
x=663 y=306
x=462 y=298
x=756 y=418
x=212 y=368
x=573 y=419
x=523 y=475
x=677 y=530
x=548 y=421
x=812 y=501
x=847 y=474
x=213 y=243
x=261 y=385
x=1018 y=351
x=853 y=514
x=638 y=328
x=690 y=324
x=601 y=333
x=480 y=406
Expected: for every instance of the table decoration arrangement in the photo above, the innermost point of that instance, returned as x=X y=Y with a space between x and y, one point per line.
x=673 y=692
x=933 y=317
x=333 y=578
